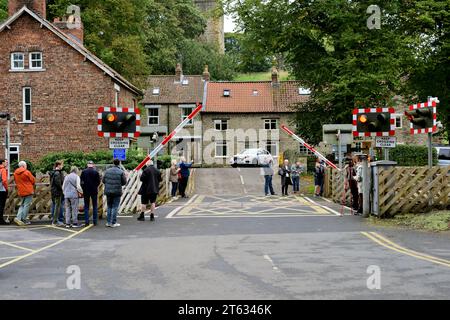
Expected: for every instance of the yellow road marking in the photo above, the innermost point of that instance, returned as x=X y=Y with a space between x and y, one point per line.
x=38 y=240
x=45 y=248
x=390 y=245
x=23 y=229
x=16 y=246
x=8 y=258
x=62 y=229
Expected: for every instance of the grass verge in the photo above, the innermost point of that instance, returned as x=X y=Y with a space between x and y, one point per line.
x=436 y=221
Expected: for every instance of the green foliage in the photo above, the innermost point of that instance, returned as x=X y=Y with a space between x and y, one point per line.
x=435 y=221
x=164 y=162
x=80 y=159
x=293 y=155
x=3 y=10
x=411 y=155
x=30 y=167
x=195 y=55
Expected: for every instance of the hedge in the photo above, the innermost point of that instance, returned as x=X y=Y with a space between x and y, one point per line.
x=411 y=155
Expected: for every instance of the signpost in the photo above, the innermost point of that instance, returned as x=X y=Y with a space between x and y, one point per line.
x=119 y=143
x=120 y=154
x=385 y=142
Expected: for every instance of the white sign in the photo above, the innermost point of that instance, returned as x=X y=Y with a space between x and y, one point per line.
x=385 y=142
x=119 y=143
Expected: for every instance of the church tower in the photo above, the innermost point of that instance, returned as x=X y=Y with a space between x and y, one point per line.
x=214 y=32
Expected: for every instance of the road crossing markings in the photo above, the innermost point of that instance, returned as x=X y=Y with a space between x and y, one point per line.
x=175 y=211
x=325 y=207
x=274 y=267
x=22 y=229
x=379 y=239
x=9 y=258
x=45 y=248
x=15 y=246
x=32 y=241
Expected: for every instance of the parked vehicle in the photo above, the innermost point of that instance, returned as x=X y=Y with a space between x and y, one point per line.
x=443 y=156
x=251 y=157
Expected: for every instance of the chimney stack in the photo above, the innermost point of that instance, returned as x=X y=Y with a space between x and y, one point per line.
x=275 y=82
x=178 y=73
x=206 y=75
x=72 y=27
x=37 y=6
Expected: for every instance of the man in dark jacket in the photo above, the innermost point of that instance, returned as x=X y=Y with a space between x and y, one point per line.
x=285 y=173
x=184 y=173
x=151 y=177
x=56 y=183
x=114 y=179
x=90 y=181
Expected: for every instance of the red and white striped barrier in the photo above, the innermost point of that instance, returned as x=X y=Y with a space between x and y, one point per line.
x=424 y=105
x=118 y=134
x=356 y=112
x=317 y=153
x=170 y=136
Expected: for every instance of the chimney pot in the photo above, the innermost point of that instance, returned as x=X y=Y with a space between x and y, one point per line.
x=37 y=6
x=178 y=73
x=206 y=75
x=275 y=81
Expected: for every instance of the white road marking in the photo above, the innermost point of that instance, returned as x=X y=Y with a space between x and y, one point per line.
x=242 y=180
x=274 y=267
x=325 y=207
x=175 y=211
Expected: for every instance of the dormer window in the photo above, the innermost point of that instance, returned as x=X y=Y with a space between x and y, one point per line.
x=185 y=82
x=156 y=91
x=35 y=60
x=303 y=91
x=17 y=61
x=255 y=93
x=226 y=93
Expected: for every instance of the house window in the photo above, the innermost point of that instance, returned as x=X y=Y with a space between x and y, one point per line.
x=226 y=93
x=221 y=125
x=17 y=61
x=185 y=112
x=304 y=91
x=398 y=121
x=153 y=116
x=185 y=82
x=35 y=60
x=14 y=153
x=272 y=147
x=221 y=149
x=255 y=93
x=270 y=124
x=26 y=103
x=156 y=91
x=304 y=151
x=116 y=95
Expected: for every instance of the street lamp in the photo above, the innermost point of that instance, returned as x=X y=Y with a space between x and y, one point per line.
x=7 y=116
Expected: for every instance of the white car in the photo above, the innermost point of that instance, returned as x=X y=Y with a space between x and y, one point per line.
x=251 y=157
x=443 y=156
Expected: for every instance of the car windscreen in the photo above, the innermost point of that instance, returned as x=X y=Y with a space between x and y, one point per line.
x=444 y=154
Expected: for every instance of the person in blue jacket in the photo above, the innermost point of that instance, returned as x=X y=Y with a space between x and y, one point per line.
x=184 y=176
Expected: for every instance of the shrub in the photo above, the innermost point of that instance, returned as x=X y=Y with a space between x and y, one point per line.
x=411 y=155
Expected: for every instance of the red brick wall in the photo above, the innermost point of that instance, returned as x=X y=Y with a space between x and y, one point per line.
x=65 y=97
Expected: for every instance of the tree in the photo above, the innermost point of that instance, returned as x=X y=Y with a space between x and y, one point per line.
x=332 y=51
x=3 y=10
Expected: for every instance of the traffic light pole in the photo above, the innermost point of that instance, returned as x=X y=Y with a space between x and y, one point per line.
x=339 y=149
x=366 y=187
x=430 y=150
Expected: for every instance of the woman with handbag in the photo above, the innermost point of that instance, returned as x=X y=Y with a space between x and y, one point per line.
x=72 y=192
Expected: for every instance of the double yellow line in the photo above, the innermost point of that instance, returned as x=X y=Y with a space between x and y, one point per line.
x=379 y=239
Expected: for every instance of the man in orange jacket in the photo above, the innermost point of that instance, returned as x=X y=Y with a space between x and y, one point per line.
x=25 y=189
x=3 y=189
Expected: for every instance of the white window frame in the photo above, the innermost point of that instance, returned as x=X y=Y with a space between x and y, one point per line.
x=273 y=144
x=270 y=122
x=184 y=116
x=13 y=60
x=116 y=95
x=14 y=145
x=25 y=105
x=152 y=117
x=221 y=143
x=31 y=60
x=398 y=116
x=220 y=122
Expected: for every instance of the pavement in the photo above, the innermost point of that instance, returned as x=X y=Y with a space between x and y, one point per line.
x=227 y=241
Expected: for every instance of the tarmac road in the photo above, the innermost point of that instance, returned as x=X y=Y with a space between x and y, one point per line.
x=227 y=241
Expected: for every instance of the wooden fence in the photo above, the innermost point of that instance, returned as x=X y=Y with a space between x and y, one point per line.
x=400 y=189
x=41 y=205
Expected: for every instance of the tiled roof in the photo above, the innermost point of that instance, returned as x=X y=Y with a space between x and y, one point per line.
x=253 y=97
x=74 y=44
x=172 y=92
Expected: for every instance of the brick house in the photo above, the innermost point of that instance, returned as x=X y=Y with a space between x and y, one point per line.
x=52 y=85
x=242 y=115
x=236 y=115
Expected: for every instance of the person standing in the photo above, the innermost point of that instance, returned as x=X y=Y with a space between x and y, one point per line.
x=56 y=189
x=359 y=181
x=90 y=181
x=151 y=178
x=184 y=172
x=72 y=192
x=296 y=169
x=174 y=171
x=25 y=182
x=114 y=179
x=268 y=172
x=3 y=189
x=319 y=172
x=350 y=182
x=285 y=173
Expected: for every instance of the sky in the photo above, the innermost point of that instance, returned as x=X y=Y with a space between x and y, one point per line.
x=229 y=24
